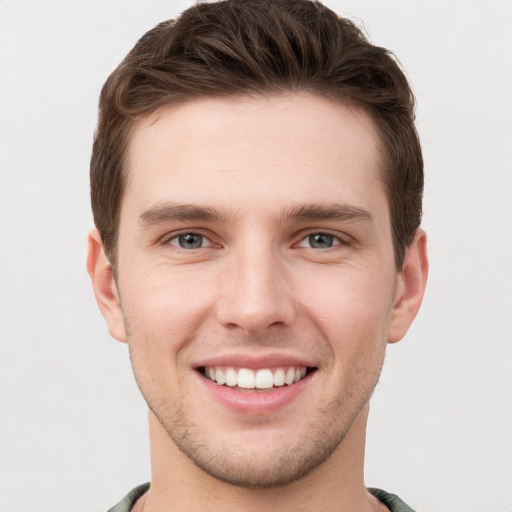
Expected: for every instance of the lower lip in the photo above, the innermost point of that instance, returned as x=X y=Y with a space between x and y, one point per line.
x=255 y=402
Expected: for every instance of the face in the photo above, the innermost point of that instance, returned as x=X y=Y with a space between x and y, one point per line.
x=256 y=279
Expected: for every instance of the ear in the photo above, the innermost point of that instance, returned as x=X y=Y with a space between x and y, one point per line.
x=410 y=287
x=105 y=289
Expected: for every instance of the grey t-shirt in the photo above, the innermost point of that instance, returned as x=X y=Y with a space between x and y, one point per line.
x=393 y=502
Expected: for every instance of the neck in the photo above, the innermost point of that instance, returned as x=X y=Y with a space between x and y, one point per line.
x=177 y=484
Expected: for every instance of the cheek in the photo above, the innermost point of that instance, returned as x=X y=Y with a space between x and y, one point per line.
x=168 y=305
x=350 y=293
x=351 y=310
x=161 y=316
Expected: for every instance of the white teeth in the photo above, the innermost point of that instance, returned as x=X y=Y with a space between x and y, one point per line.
x=264 y=378
x=220 y=377
x=245 y=378
x=279 y=377
x=290 y=376
x=231 y=377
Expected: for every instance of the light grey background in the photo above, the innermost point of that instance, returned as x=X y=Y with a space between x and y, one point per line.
x=72 y=425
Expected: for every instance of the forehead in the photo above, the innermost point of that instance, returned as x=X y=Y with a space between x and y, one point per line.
x=244 y=153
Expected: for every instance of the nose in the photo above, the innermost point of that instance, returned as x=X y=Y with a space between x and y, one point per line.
x=255 y=292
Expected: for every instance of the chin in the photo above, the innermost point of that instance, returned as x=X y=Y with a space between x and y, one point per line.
x=254 y=469
x=258 y=458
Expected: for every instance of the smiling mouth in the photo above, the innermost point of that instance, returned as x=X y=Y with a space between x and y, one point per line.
x=245 y=379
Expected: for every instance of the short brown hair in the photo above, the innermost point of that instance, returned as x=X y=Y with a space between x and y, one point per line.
x=247 y=47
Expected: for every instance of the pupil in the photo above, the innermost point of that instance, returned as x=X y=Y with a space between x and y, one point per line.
x=190 y=241
x=320 y=241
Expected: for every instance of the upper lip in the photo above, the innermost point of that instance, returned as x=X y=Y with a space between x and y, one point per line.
x=252 y=361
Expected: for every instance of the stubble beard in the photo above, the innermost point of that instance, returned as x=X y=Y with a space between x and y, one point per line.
x=248 y=470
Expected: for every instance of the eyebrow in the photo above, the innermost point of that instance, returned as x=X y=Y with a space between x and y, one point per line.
x=327 y=211
x=169 y=212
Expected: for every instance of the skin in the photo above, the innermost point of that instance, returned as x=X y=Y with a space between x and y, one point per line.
x=269 y=172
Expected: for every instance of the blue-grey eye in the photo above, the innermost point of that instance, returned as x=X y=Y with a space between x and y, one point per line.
x=321 y=240
x=190 y=241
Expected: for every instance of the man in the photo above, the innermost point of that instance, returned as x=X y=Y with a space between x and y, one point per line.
x=256 y=185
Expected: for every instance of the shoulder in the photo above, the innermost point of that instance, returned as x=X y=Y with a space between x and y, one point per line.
x=392 y=501
x=126 y=504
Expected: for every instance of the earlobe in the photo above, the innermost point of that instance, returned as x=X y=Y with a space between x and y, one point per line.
x=411 y=282
x=104 y=286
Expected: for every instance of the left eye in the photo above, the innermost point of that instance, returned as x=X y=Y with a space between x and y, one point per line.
x=319 y=241
x=190 y=241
